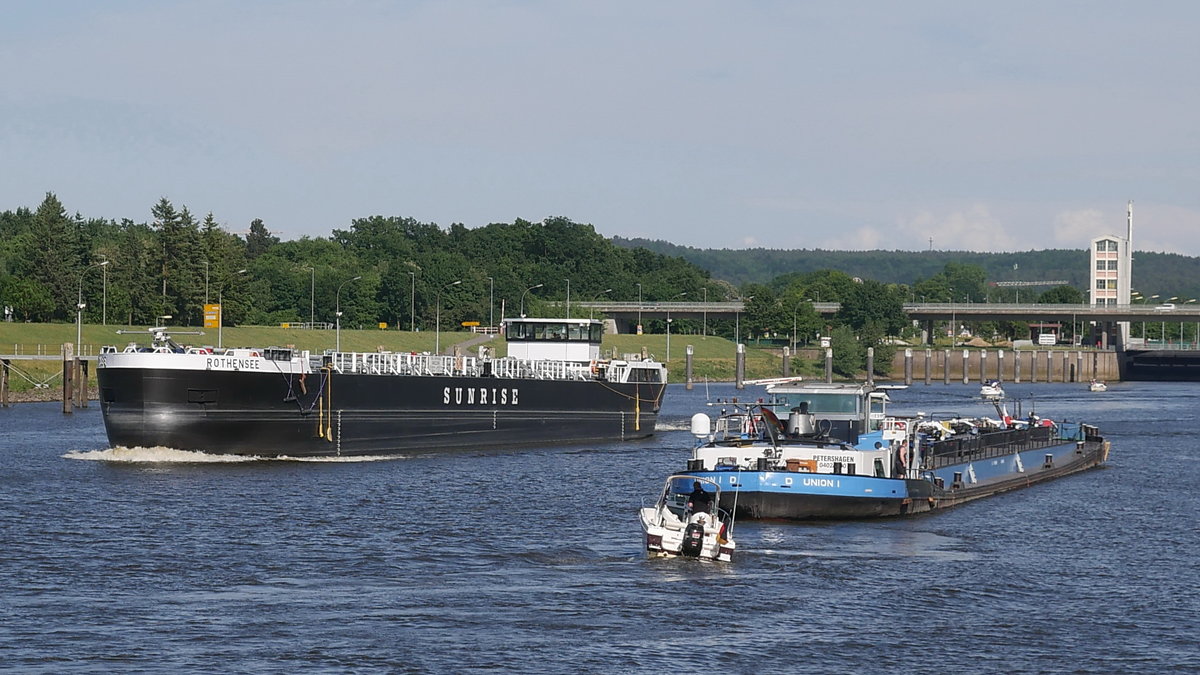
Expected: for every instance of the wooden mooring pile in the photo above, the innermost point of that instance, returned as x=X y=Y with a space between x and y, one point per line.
x=75 y=370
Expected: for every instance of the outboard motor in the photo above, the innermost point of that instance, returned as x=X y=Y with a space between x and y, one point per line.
x=800 y=422
x=693 y=540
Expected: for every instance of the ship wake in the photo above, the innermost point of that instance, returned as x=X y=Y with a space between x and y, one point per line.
x=164 y=455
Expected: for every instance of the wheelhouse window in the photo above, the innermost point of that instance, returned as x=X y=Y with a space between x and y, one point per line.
x=550 y=331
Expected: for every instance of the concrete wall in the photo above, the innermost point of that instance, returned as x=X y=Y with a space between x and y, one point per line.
x=1055 y=365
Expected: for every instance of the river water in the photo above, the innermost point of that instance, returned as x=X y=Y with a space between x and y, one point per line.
x=532 y=560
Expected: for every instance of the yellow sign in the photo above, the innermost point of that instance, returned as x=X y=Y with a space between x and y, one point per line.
x=212 y=316
x=382 y=325
x=469 y=324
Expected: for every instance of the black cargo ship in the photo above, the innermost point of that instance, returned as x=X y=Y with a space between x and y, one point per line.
x=553 y=387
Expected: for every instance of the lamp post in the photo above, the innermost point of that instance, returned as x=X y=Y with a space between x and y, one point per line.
x=205 y=262
x=737 y=322
x=221 y=313
x=492 y=303
x=794 y=311
x=79 y=321
x=104 y=304
x=592 y=310
x=1197 y=327
x=568 y=314
x=337 y=310
x=412 y=303
x=80 y=305
x=639 y=324
x=669 y=325
x=1146 y=301
x=312 y=296
x=523 y=298
x=704 y=322
x=437 y=340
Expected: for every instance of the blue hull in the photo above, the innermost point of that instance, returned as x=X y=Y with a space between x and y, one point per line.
x=813 y=496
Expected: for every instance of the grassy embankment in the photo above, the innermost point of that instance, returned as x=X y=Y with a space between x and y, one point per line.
x=713 y=357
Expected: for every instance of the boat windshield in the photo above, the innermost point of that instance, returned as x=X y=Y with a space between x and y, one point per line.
x=820 y=403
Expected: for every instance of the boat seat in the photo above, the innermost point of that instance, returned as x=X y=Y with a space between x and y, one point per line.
x=671 y=521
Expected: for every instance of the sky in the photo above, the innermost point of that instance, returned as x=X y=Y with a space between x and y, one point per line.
x=839 y=125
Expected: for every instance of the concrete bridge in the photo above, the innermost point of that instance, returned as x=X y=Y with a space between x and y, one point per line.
x=629 y=314
x=921 y=311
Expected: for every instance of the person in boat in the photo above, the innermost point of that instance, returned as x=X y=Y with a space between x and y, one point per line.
x=699 y=500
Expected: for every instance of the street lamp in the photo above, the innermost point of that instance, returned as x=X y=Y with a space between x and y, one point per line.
x=592 y=310
x=737 y=321
x=492 y=303
x=568 y=314
x=704 y=322
x=412 y=303
x=104 y=304
x=794 y=311
x=1197 y=326
x=80 y=304
x=523 y=298
x=312 y=296
x=337 y=310
x=639 y=325
x=221 y=313
x=437 y=340
x=669 y=325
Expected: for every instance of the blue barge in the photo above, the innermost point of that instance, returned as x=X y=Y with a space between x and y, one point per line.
x=830 y=451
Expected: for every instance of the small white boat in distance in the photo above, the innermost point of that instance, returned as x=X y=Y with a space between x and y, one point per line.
x=686 y=521
x=1097 y=385
x=992 y=390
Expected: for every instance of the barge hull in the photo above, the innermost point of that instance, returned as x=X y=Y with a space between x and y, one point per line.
x=283 y=414
x=805 y=496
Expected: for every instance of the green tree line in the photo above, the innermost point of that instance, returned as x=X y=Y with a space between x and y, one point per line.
x=378 y=269
x=411 y=274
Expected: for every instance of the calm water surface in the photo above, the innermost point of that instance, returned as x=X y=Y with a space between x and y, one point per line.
x=532 y=561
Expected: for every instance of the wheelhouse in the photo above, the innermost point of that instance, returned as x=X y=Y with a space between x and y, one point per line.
x=554 y=339
x=847 y=410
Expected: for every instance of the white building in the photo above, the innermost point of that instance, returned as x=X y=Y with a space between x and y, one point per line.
x=1112 y=267
x=1112 y=270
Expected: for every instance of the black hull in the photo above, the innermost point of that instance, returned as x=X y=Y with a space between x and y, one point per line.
x=269 y=414
x=1138 y=365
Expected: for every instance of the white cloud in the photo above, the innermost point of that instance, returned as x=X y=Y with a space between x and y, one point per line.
x=1076 y=229
x=966 y=230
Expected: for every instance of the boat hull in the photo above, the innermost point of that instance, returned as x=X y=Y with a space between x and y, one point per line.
x=786 y=495
x=319 y=414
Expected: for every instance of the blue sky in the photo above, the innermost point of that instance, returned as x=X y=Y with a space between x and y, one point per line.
x=849 y=125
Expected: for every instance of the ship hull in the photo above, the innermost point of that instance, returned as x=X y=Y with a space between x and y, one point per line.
x=318 y=414
x=779 y=495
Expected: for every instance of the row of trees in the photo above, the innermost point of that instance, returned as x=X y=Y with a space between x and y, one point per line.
x=388 y=269
x=408 y=274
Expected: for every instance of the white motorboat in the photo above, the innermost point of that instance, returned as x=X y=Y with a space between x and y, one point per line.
x=992 y=390
x=687 y=521
x=1097 y=385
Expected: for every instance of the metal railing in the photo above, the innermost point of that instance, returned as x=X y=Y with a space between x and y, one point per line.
x=371 y=363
